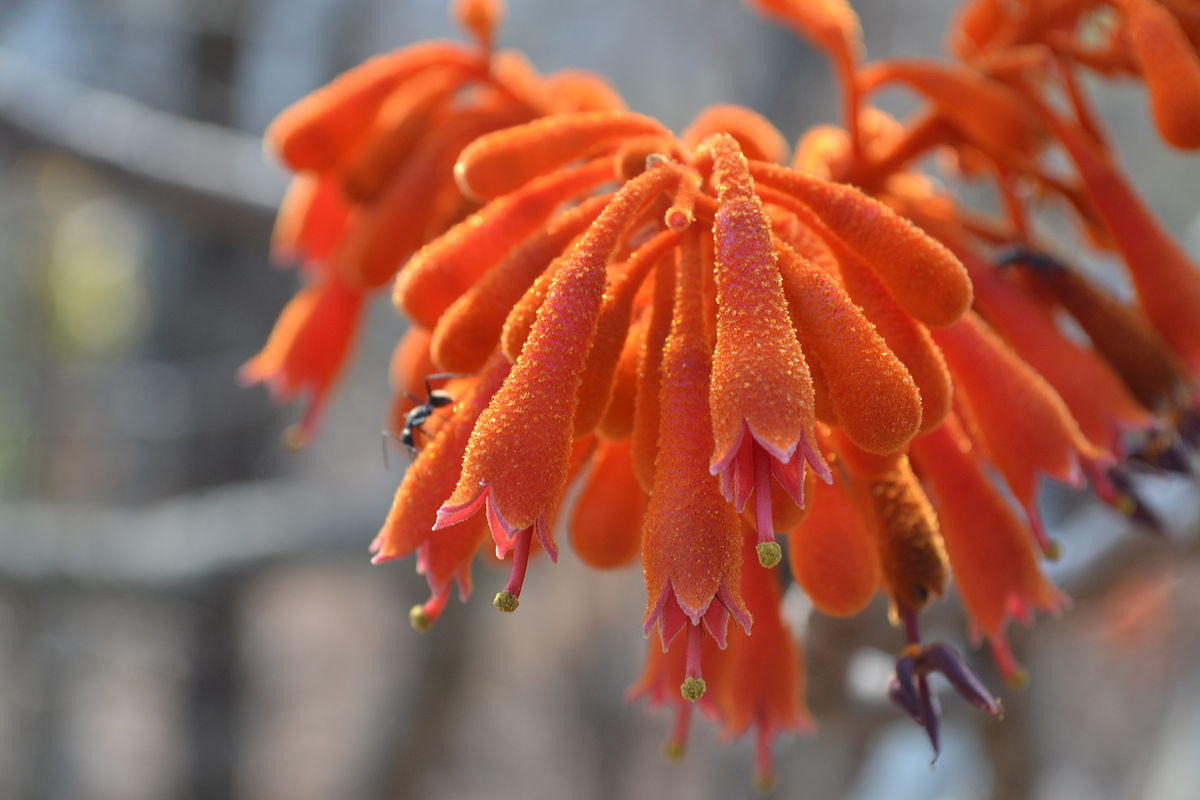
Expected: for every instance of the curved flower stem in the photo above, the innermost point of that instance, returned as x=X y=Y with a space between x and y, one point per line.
x=1012 y=202
x=851 y=101
x=926 y=133
x=1079 y=102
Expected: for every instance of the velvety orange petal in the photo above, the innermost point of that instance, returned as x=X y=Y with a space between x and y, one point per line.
x=760 y=381
x=1025 y=425
x=1093 y=392
x=313 y=218
x=521 y=316
x=873 y=395
x=503 y=161
x=646 y=409
x=470 y=328
x=433 y=475
x=572 y=90
x=806 y=243
x=595 y=385
x=990 y=550
x=393 y=137
x=410 y=364
x=293 y=209
x=832 y=553
x=386 y=233
x=1123 y=337
x=1170 y=67
x=925 y=277
x=762 y=682
x=907 y=338
x=448 y=266
x=633 y=154
x=308 y=347
x=318 y=130
x=617 y=422
x=1166 y=280
x=912 y=557
x=691 y=539
x=755 y=134
x=519 y=449
x=607 y=521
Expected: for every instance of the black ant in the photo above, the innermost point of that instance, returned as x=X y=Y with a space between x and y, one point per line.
x=415 y=418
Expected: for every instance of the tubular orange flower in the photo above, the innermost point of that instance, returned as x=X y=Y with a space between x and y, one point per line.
x=390 y=229
x=761 y=395
x=874 y=398
x=762 y=682
x=832 y=553
x=308 y=348
x=646 y=408
x=617 y=422
x=995 y=568
x=1170 y=67
x=435 y=472
x=497 y=164
x=755 y=135
x=435 y=277
x=990 y=114
x=312 y=219
x=409 y=525
x=318 y=131
x=661 y=327
x=1026 y=428
x=608 y=513
x=596 y=381
x=1146 y=364
x=923 y=275
x=691 y=538
x=907 y=338
x=1167 y=283
x=912 y=559
x=469 y=329
x=516 y=461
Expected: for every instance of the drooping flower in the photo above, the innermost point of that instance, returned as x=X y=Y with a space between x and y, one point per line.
x=374 y=153
x=761 y=395
x=663 y=327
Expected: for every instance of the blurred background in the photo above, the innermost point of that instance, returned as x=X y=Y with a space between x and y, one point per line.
x=187 y=609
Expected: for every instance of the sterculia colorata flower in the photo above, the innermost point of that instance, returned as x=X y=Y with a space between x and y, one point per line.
x=679 y=351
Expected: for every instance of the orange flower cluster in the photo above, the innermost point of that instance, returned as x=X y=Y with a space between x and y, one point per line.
x=677 y=348
x=374 y=153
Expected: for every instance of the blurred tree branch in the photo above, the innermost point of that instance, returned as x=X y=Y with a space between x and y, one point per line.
x=208 y=532
x=210 y=173
x=189 y=538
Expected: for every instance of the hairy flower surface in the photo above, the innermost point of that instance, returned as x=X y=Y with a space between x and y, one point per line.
x=683 y=352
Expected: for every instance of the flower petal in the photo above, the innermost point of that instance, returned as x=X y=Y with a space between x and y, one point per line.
x=500 y=162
